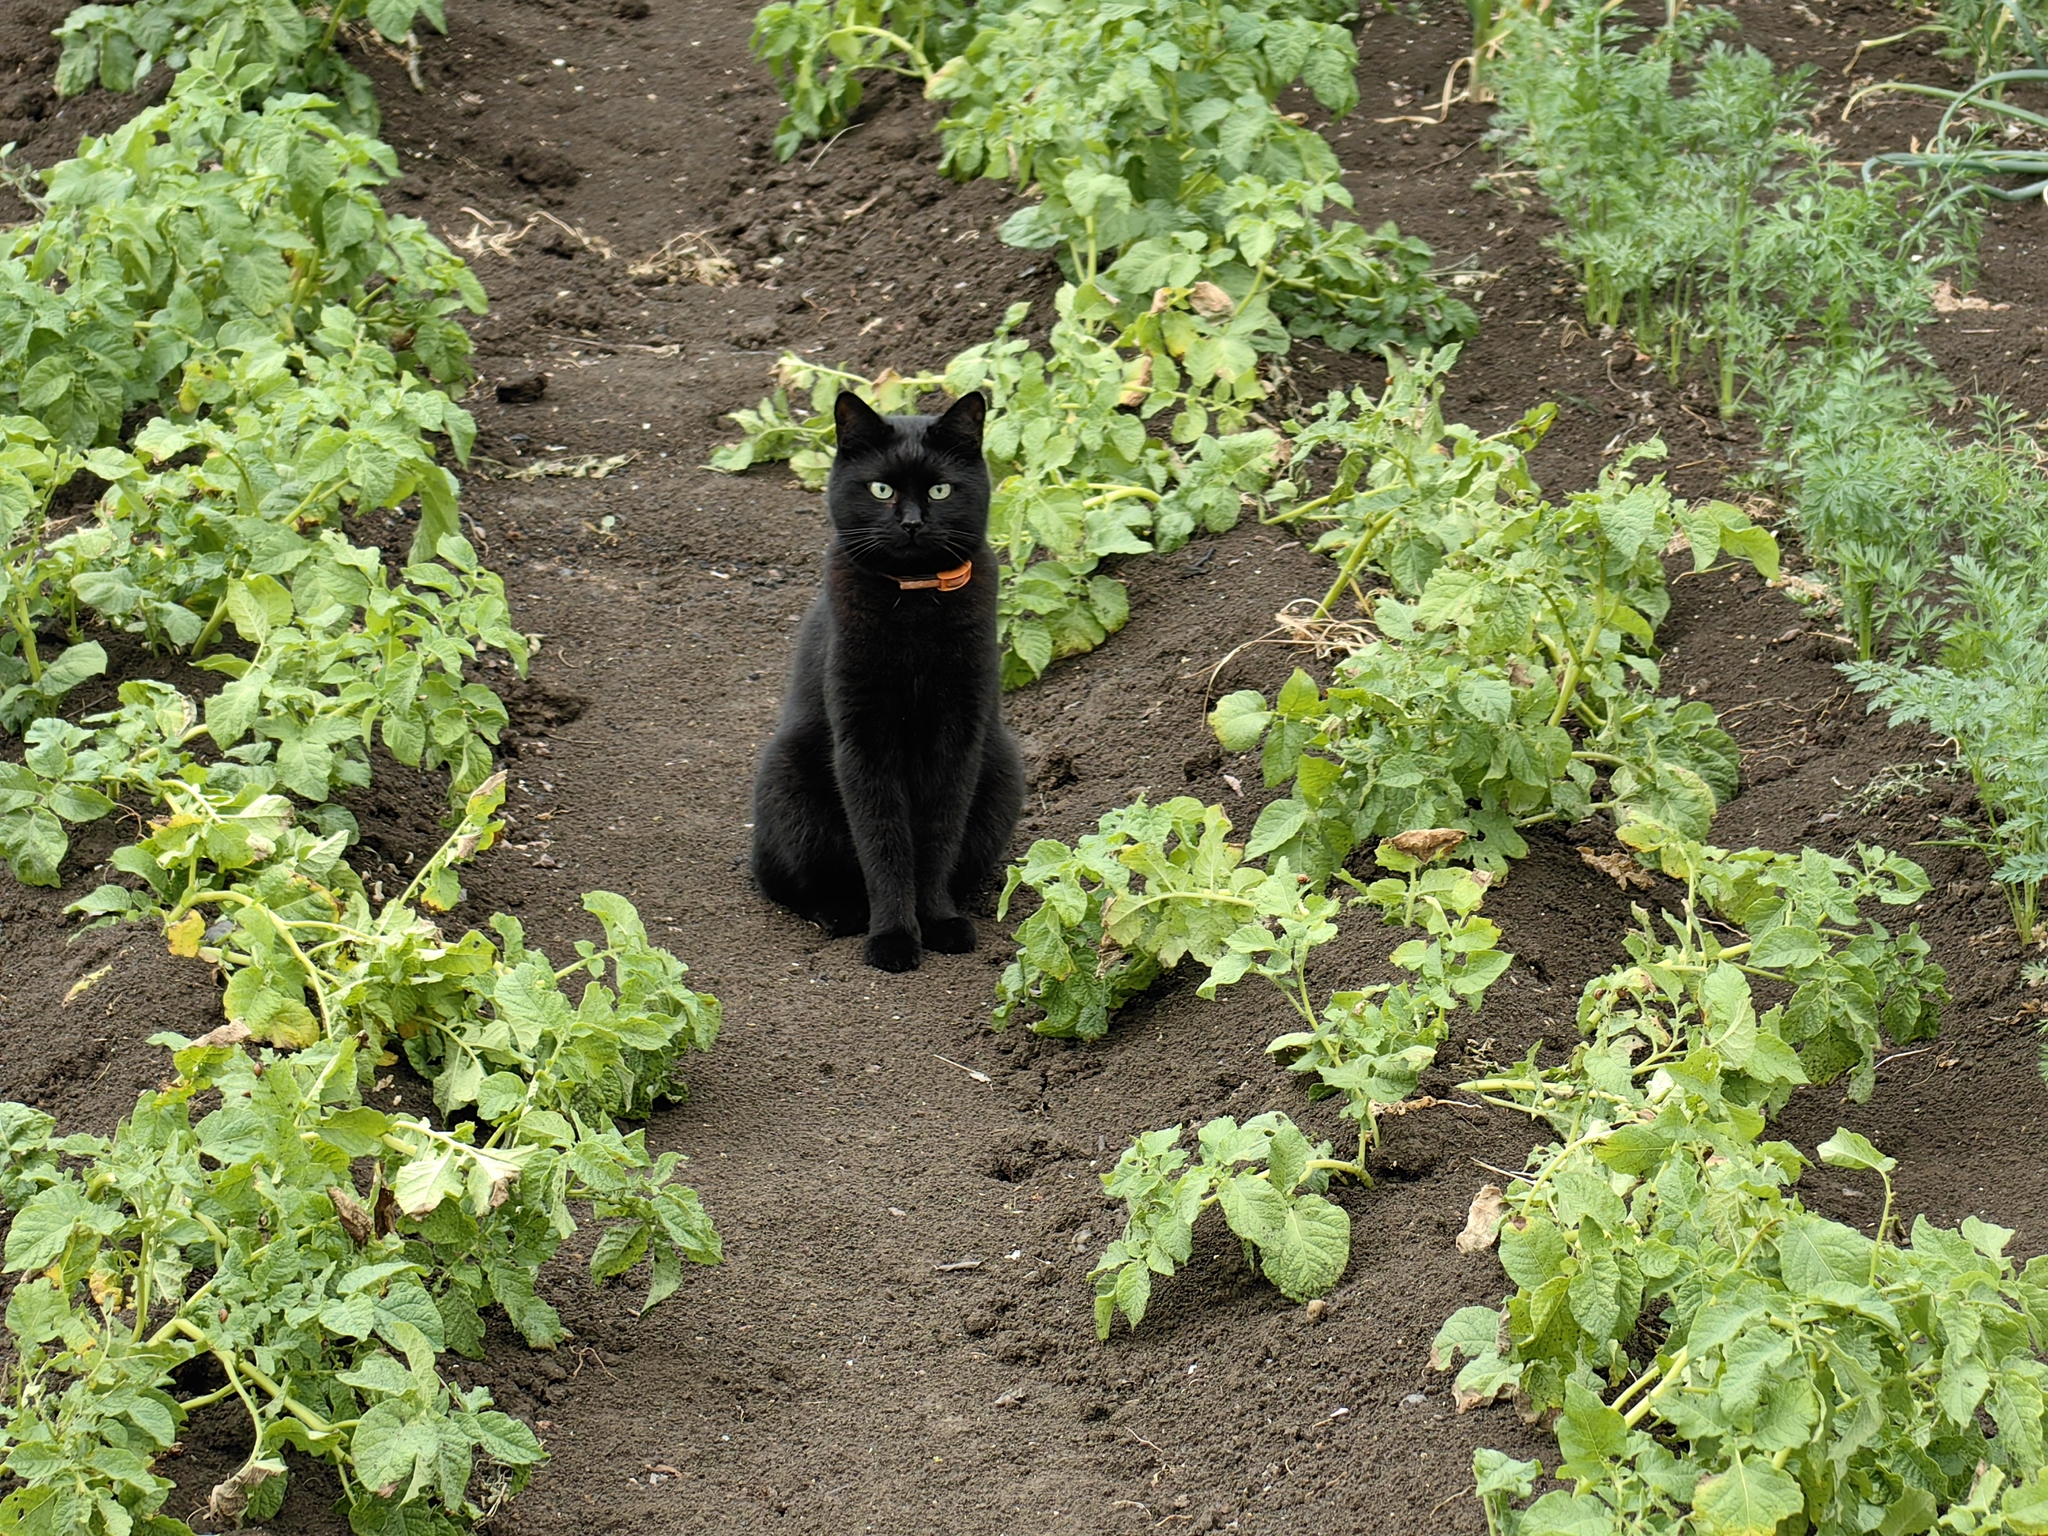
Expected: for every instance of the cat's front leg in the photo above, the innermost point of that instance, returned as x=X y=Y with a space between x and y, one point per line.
x=946 y=806
x=878 y=812
x=945 y=930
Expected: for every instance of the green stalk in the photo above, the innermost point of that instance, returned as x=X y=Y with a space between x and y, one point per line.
x=1884 y=1222
x=1119 y=493
x=1636 y=1414
x=24 y=626
x=920 y=65
x=1335 y=1165
x=319 y=1428
x=1353 y=559
x=192 y=899
x=1294 y=513
x=334 y=18
x=206 y=635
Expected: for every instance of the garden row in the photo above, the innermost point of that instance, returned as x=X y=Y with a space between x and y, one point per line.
x=1714 y=1356
x=218 y=347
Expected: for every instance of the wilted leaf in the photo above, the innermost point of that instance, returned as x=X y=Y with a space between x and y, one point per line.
x=354 y=1217
x=185 y=935
x=1482 y=1221
x=1428 y=844
x=1620 y=868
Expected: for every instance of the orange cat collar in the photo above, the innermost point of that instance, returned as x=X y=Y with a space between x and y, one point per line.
x=945 y=581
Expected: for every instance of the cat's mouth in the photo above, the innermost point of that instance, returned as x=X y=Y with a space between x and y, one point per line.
x=903 y=551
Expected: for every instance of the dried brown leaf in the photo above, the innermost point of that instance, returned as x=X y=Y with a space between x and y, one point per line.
x=692 y=258
x=1620 y=868
x=1947 y=301
x=230 y=1499
x=1138 y=382
x=1427 y=843
x=1482 y=1221
x=226 y=1034
x=354 y=1217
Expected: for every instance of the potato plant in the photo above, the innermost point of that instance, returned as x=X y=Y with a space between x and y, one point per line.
x=1720 y=1358
x=231 y=271
x=1151 y=887
x=1298 y=1239
x=1149 y=134
x=1509 y=679
x=1369 y=1045
x=118 y=46
x=242 y=1233
x=221 y=269
x=817 y=51
x=180 y=258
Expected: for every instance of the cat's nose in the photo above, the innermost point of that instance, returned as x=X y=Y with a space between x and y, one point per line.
x=913 y=515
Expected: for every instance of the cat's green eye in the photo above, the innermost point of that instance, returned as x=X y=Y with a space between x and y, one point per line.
x=880 y=491
x=940 y=491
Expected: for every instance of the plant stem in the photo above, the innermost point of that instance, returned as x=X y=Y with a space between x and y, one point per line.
x=919 y=63
x=24 y=626
x=194 y=898
x=1337 y=1165
x=320 y=1428
x=1884 y=1222
x=213 y=623
x=1301 y=511
x=1672 y=1371
x=1353 y=559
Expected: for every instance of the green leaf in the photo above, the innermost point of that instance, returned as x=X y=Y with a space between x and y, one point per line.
x=1847 y=1149
x=1787 y=948
x=1279 y=823
x=1239 y=719
x=72 y=666
x=1305 y=1254
x=1470 y=1331
x=1749 y=1499
x=394 y=1448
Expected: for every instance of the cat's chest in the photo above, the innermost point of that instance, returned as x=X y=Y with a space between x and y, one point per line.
x=909 y=677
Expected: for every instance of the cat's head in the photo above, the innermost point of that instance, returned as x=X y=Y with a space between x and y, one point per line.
x=909 y=494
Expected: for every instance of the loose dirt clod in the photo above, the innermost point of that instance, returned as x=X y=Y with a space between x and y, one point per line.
x=522 y=388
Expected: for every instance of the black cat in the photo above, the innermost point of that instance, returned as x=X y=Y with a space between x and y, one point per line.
x=890 y=790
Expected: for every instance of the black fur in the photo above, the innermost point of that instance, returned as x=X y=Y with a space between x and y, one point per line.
x=888 y=795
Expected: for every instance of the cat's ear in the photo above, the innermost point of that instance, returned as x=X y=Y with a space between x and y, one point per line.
x=960 y=428
x=858 y=424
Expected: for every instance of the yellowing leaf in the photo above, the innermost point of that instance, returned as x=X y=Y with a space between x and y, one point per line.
x=184 y=936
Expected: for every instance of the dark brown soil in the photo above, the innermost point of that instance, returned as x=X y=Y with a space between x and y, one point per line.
x=830 y=1376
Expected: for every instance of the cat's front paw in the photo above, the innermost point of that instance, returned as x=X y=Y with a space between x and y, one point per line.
x=950 y=936
x=894 y=949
